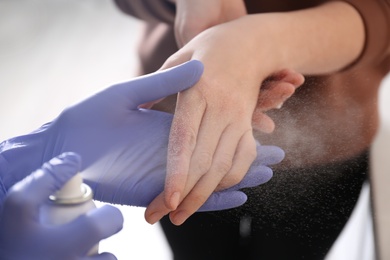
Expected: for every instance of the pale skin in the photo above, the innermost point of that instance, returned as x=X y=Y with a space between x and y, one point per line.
x=193 y=17
x=211 y=144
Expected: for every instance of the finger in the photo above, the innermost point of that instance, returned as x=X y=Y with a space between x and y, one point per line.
x=87 y=230
x=256 y=176
x=261 y=122
x=276 y=93
x=162 y=83
x=213 y=155
x=224 y=200
x=156 y=209
x=102 y=256
x=259 y=172
x=37 y=187
x=289 y=76
x=277 y=88
x=245 y=154
x=182 y=142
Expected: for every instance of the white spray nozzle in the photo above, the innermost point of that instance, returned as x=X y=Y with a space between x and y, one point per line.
x=74 y=191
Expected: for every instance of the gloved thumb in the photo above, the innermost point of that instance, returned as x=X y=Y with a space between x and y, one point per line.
x=36 y=188
x=162 y=83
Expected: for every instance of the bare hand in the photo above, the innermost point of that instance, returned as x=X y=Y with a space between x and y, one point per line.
x=211 y=142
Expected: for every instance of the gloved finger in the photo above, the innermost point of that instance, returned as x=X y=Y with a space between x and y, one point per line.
x=256 y=176
x=38 y=186
x=224 y=200
x=162 y=83
x=268 y=155
x=258 y=172
x=87 y=230
x=102 y=256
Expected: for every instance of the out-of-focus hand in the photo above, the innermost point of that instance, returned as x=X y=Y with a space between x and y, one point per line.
x=211 y=140
x=23 y=237
x=193 y=17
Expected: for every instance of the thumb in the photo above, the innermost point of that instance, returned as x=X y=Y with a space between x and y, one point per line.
x=162 y=83
x=29 y=193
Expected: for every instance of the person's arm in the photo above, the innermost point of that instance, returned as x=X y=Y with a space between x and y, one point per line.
x=211 y=140
x=317 y=40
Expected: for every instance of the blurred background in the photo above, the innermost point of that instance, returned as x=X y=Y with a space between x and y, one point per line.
x=54 y=53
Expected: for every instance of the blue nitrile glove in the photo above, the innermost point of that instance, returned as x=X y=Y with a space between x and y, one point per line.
x=259 y=173
x=23 y=237
x=124 y=149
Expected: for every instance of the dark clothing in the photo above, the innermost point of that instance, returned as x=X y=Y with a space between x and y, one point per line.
x=286 y=218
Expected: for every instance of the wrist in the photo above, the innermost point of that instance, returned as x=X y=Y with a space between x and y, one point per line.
x=263 y=43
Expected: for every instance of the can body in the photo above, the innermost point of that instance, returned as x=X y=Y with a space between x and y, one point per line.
x=58 y=212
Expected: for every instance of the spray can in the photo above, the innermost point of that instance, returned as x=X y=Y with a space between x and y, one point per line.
x=71 y=201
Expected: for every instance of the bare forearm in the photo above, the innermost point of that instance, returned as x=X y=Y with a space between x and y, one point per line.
x=312 y=41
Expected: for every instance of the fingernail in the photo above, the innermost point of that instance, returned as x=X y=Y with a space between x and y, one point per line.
x=153 y=218
x=179 y=217
x=175 y=199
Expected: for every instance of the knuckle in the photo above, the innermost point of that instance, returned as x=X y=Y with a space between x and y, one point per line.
x=235 y=179
x=197 y=199
x=224 y=165
x=203 y=163
x=230 y=180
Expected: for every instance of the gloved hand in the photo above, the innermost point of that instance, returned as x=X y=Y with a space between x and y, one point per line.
x=124 y=148
x=259 y=173
x=23 y=237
